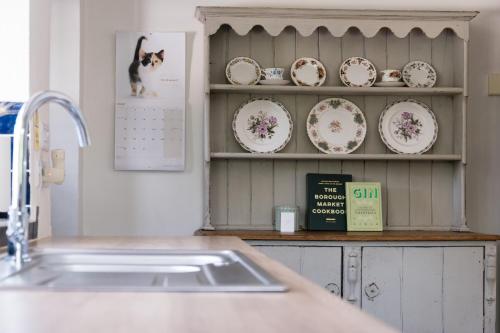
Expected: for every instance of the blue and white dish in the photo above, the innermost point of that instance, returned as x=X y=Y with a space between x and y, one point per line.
x=273 y=73
x=8 y=115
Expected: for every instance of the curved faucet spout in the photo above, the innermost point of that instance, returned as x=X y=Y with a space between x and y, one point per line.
x=18 y=215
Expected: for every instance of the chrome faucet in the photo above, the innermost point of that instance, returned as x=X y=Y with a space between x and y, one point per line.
x=17 y=229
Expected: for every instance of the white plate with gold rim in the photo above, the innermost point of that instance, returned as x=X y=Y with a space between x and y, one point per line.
x=262 y=125
x=308 y=72
x=408 y=127
x=336 y=126
x=243 y=71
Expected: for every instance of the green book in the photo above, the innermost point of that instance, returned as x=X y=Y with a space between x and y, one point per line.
x=326 y=201
x=364 y=206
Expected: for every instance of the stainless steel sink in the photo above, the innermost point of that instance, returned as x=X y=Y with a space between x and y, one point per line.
x=139 y=270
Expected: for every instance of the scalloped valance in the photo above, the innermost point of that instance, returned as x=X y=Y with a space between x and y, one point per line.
x=306 y=21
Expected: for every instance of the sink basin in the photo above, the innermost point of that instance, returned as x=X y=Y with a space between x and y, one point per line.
x=139 y=270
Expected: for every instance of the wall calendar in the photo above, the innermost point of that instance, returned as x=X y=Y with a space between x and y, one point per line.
x=150 y=101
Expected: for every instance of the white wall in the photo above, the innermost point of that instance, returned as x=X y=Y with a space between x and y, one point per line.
x=24 y=66
x=65 y=77
x=483 y=190
x=139 y=203
x=14 y=58
x=39 y=54
x=14 y=76
x=136 y=203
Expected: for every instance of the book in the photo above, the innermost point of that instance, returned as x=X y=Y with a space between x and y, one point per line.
x=326 y=209
x=364 y=206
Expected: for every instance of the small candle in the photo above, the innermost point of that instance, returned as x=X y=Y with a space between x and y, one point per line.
x=286 y=218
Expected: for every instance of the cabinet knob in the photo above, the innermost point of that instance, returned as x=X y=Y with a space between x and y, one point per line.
x=372 y=291
x=333 y=288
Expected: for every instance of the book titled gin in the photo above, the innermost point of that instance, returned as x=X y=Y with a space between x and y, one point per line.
x=364 y=206
x=326 y=201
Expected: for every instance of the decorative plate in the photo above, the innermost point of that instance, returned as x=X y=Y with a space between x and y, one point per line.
x=408 y=127
x=308 y=72
x=389 y=84
x=357 y=72
x=419 y=74
x=243 y=70
x=262 y=125
x=274 y=82
x=336 y=126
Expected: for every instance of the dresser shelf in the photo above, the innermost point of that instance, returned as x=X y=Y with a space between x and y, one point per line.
x=371 y=157
x=419 y=191
x=335 y=90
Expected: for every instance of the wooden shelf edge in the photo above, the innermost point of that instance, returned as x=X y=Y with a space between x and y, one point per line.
x=229 y=88
x=372 y=157
x=352 y=236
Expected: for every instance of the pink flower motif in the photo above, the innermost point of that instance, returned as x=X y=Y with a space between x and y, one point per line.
x=407 y=127
x=335 y=126
x=262 y=126
x=406 y=115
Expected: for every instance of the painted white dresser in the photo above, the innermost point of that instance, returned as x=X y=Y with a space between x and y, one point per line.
x=419 y=276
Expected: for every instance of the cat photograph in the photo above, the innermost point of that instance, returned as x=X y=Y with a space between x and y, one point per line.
x=143 y=71
x=150 y=66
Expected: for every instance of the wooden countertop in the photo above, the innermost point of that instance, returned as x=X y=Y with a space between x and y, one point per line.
x=352 y=236
x=304 y=308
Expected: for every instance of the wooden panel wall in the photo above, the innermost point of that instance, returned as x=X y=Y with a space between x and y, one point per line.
x=416 y=195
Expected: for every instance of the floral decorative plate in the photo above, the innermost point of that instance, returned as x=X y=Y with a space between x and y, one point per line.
x=262 y=125
x=357 y=72
x=419 y=74
x=408 y=127
x=243 y=70
x=336 y=126
x=308 y=72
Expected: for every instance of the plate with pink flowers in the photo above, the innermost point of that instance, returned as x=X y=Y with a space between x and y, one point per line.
x=336 y=126
x=408 y=127
x=262 y=125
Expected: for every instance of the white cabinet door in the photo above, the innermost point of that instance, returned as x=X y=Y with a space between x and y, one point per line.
x=381 y=283
x=421 y=292
x=287 y=255
x=424 y=289
x=463 y=289
x=322 y=265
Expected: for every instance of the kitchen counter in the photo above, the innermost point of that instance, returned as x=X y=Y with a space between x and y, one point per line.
x=304 y=308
